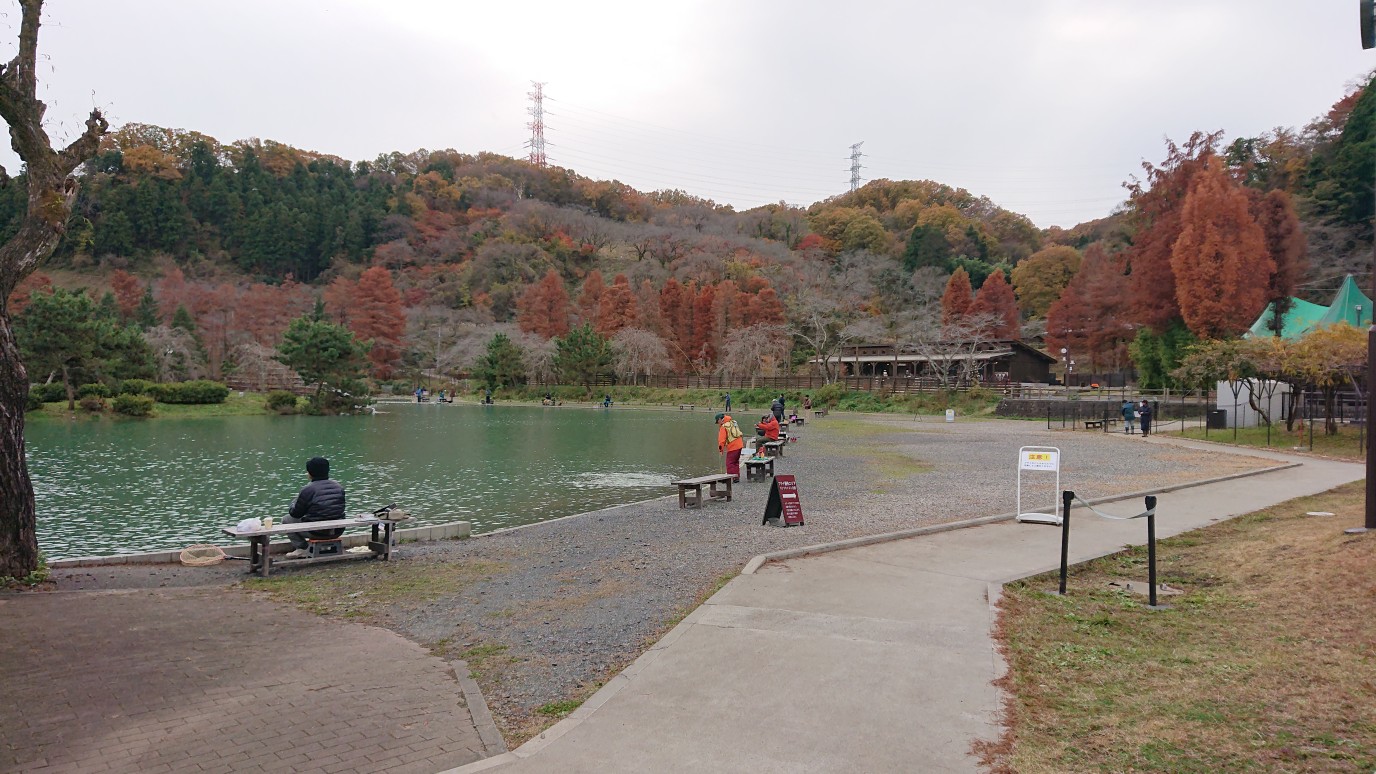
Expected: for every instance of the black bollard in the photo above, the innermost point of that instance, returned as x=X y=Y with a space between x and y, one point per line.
x=1151 y=546
x=1066 y=498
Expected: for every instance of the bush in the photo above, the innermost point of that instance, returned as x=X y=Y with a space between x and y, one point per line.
x=133 y=405
x=281 y=401
x=829 y=395
x=33 y=402
x=195 y=392
x=49 y=393
x=92 y=403
x=95 y=388
x=135 y=387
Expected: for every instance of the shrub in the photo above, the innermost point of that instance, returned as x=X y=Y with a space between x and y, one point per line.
x=829 y=395
x=95 y=388
x=281 y=401
x=92 y=403
x=33 y=402
x=49 y=393
x=135 y=387
x=194 y=392
x=133 y=405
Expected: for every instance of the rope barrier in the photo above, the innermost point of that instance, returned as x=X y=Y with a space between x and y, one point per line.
x=1102 y=515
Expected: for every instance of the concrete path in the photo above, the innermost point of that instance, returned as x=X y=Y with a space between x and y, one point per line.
x=874 y=659
x=217 y=680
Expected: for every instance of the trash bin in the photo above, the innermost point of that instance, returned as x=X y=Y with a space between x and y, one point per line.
x=1218 y=419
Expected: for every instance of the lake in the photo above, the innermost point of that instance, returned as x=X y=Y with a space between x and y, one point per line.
x=125 y=486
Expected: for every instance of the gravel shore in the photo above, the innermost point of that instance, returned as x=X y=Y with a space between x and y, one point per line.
x=544 y=614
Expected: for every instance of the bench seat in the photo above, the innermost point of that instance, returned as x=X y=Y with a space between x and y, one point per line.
x=695 y=485
x=758 y=470
x=260 y=554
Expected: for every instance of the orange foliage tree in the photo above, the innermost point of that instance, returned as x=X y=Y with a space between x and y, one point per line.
x=590 y=300
x=958 y=298
x=996 y=299
x=376 y=315
x=128 y=293
x=617 y=308
x=544 y=308
x=1090 y=319
x=1285 y=242
x=1220 y=260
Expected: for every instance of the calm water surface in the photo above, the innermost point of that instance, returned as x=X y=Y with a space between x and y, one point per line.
x=107 y=487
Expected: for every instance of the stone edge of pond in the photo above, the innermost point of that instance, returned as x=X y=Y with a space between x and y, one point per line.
x=454 y=529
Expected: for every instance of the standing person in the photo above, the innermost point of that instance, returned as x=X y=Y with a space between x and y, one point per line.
x=728 y=402
x=321 y=500
x=419 y=392
x=1144 y=411
x=807 y=402
x=1129 y=416
x=777 y=408
x=730 y=442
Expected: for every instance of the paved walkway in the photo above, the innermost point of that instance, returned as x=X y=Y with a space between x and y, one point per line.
x=214 y=680
x=876 y=658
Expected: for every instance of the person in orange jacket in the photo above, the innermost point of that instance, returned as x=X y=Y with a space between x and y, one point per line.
x=730 y=440
x=768 y=426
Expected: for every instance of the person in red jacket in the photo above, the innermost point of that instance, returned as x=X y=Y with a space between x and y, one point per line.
x=730 y=441
x=768 y=427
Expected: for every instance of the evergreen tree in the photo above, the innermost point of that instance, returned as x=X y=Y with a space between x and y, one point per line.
x=583 y=356
x=927 y=246
x=328 y=356
x=146 y=316
x=183 y=320
x=107 y=309
x=502 y=365
x=57 y=334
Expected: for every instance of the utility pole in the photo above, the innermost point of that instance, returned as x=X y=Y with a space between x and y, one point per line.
x=855 y=167
x=537 y=124
x=1368 y=21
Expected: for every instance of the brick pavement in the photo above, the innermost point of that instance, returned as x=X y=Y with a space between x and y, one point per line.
x=215 y=680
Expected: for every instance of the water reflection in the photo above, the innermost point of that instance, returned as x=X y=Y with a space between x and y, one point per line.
x=127 y=486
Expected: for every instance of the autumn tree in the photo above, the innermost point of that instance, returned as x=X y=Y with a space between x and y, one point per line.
x=590 y=299
x=638 y=351
x=51 y=191
x=1220 y=261
x=1157 y=204
x=128 y=291
x=617 y=308
x=995 y=299
x=1331 y=358
x=702 y=349
x=544 y=308
x=1285 y=243
x=759 y=350
x=375 y=315
x=958 y=298
x=1090 y=319
x=1039 y=280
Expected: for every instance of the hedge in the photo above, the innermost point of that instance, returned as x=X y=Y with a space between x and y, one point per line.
x=133 y=405
x=199 y=391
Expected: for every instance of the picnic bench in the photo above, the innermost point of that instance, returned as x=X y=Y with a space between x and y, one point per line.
x=758 y=469
x=260 y=554
x=1092 y=424
x=775 y=448
x=695 y=485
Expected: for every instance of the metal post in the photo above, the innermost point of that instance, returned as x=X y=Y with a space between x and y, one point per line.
x=1066 y=498
x=1151 y=547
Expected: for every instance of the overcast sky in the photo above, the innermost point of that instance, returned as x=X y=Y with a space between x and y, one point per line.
x=1046 y=107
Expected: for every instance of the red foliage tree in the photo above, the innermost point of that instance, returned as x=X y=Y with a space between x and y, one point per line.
x=767 y=309
x=647 y=300
x=265 y=311
x=544 y=308
x=1156 y=208
x=958 y=298
x=1285 y=241
x=376 y=315
x=1090 y=319
x=676 y=310
x=27 y=286
x=128 y=291
x=172 y=291
x=1220 y=260
x=590 y=300
x=617 y=309
x=703 y=347
x=339 y=298
x=996 y=298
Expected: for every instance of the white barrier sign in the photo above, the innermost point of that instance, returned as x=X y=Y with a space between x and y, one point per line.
x=1040 y=459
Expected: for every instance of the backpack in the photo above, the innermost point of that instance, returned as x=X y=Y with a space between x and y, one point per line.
x=733 y=431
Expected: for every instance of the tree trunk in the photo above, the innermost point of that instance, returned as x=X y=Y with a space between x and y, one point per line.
x=18 y=539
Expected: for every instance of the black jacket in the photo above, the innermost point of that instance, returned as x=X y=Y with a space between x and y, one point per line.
x=321 y=500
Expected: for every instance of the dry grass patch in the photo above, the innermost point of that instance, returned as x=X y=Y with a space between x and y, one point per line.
x=366 y=590
x=1267 y=662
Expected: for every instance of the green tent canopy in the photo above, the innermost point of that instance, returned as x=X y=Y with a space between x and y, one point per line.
x=1304 y=316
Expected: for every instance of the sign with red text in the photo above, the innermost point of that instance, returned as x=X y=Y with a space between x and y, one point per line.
x=784 y=504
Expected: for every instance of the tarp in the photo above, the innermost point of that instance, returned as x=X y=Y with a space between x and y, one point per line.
x=1301 y=317
x=1346 y=305
x=1350 y=305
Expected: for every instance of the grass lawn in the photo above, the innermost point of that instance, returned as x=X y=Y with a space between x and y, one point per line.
x=1344 y=444
x=236 y=405
x=1266 y=662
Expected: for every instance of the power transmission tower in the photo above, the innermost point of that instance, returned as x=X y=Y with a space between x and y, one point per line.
x=855 y=167
x=537 y=124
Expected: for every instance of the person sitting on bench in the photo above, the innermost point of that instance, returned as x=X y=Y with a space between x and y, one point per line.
x=321 y=500
x=767 y=429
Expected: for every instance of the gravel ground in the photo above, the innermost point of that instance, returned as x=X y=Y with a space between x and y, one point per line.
x=546 y=613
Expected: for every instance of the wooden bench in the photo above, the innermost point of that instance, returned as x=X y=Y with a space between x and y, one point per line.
x=685 y=407
x=758 y=470
x=696 y=484
x=774 y=448
x=1093 y=424
x=260 y=553
x=798 y=421
x=819 y=413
